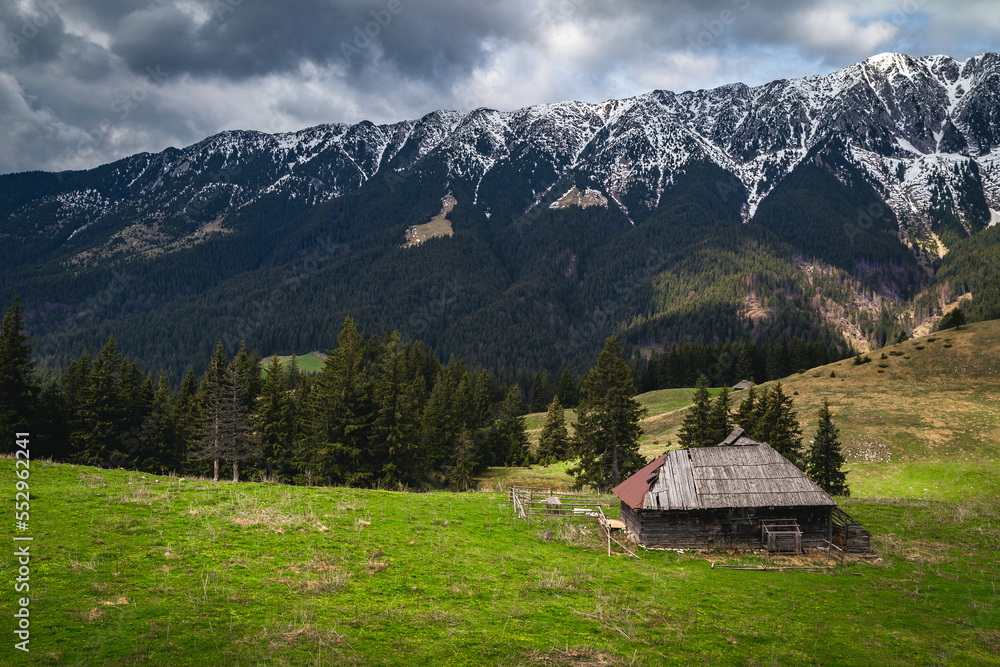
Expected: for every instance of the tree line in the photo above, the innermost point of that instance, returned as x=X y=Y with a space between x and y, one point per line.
x=383 y=412
x=768 y=416
x=728 y=363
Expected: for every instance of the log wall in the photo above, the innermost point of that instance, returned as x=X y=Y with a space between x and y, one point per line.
x=722 y=528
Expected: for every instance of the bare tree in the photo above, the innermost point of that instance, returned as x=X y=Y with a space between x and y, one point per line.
x=227 y=432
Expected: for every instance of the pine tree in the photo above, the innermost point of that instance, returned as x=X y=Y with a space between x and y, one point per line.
x=696 y=430
x=510 y=440
x=553 y=443
x=396 y=431
x=211 y=442
x=778 y=426
x=953 y=319
x=336 y=447
x=18 y=390
x=541 y=393
x=825 y=458
x=720 y=421
x=459 y=474
x=748 y=411
x=607 y=428
x=242 y=441
x=566 y=389
x=227 y=433
x=274 y=422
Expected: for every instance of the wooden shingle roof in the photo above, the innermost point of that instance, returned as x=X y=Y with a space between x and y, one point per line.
x=745 y=473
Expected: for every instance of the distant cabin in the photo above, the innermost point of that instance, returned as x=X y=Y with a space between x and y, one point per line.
x=738 y=494
x=741 y=385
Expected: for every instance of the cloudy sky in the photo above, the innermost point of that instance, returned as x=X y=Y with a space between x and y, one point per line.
x=83 y=82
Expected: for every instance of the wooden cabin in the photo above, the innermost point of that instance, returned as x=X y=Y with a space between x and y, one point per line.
x=738 y=494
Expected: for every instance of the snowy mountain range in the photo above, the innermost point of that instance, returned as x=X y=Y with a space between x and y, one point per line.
x=922 y=132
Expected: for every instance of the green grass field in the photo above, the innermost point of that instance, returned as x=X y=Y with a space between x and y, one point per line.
x=134 y=569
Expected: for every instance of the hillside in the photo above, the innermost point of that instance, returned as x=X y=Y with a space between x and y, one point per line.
x=921 y=423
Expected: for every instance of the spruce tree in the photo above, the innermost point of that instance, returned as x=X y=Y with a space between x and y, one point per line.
x=445 y=413
x=227 y=433
x=274 y=422
x=541 y=393
x=566 y=389
x=696 y=430
x=778 y=426
x=154 y=443
x=607 y=428
x=189 y=416
x=720 y=421
x=459 y=474
x=748 y=411
x=294 y=376
x=954 y=319
x=509 y=438
x=745 y=364
x=212 y=432
x=335 y=449
x=825 y=458
x=553 y=444
x=18 y=390
x=396 y=430
x=242 y=440
x=102 y=412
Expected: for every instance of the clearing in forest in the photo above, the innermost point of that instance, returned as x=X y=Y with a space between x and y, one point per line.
x=439 y=225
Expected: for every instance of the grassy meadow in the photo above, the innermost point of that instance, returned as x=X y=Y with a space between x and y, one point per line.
x=307 y=363
x=130 y=568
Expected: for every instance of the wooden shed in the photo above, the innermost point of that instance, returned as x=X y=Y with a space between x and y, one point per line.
x=738 y=494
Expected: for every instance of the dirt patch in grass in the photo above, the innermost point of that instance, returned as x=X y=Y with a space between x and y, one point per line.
x=571 y=657
x=990 y=639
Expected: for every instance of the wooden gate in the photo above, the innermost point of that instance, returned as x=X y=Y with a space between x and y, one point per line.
x=781 y=535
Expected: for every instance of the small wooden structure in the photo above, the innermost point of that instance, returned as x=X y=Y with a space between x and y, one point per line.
x=739 y=494
x=848 y=533
x=741 y=385
x=779 y=535
x=529 y=501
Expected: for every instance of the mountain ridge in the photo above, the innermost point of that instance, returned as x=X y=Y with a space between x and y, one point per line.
x=905 y=151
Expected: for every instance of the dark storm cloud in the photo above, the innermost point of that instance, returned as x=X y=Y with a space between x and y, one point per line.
x=86 y=81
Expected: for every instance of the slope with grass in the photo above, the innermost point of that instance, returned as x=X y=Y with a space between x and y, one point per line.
x=923 y=422
x=133 y=569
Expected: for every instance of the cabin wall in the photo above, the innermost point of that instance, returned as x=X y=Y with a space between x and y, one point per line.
x=722 y=528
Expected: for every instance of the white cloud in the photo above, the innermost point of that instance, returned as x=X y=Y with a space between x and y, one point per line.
x=836 y=29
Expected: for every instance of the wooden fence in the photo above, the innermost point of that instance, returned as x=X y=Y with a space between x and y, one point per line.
x=529 y=501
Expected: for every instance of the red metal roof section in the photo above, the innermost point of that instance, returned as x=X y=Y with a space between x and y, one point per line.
x=635 y=488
